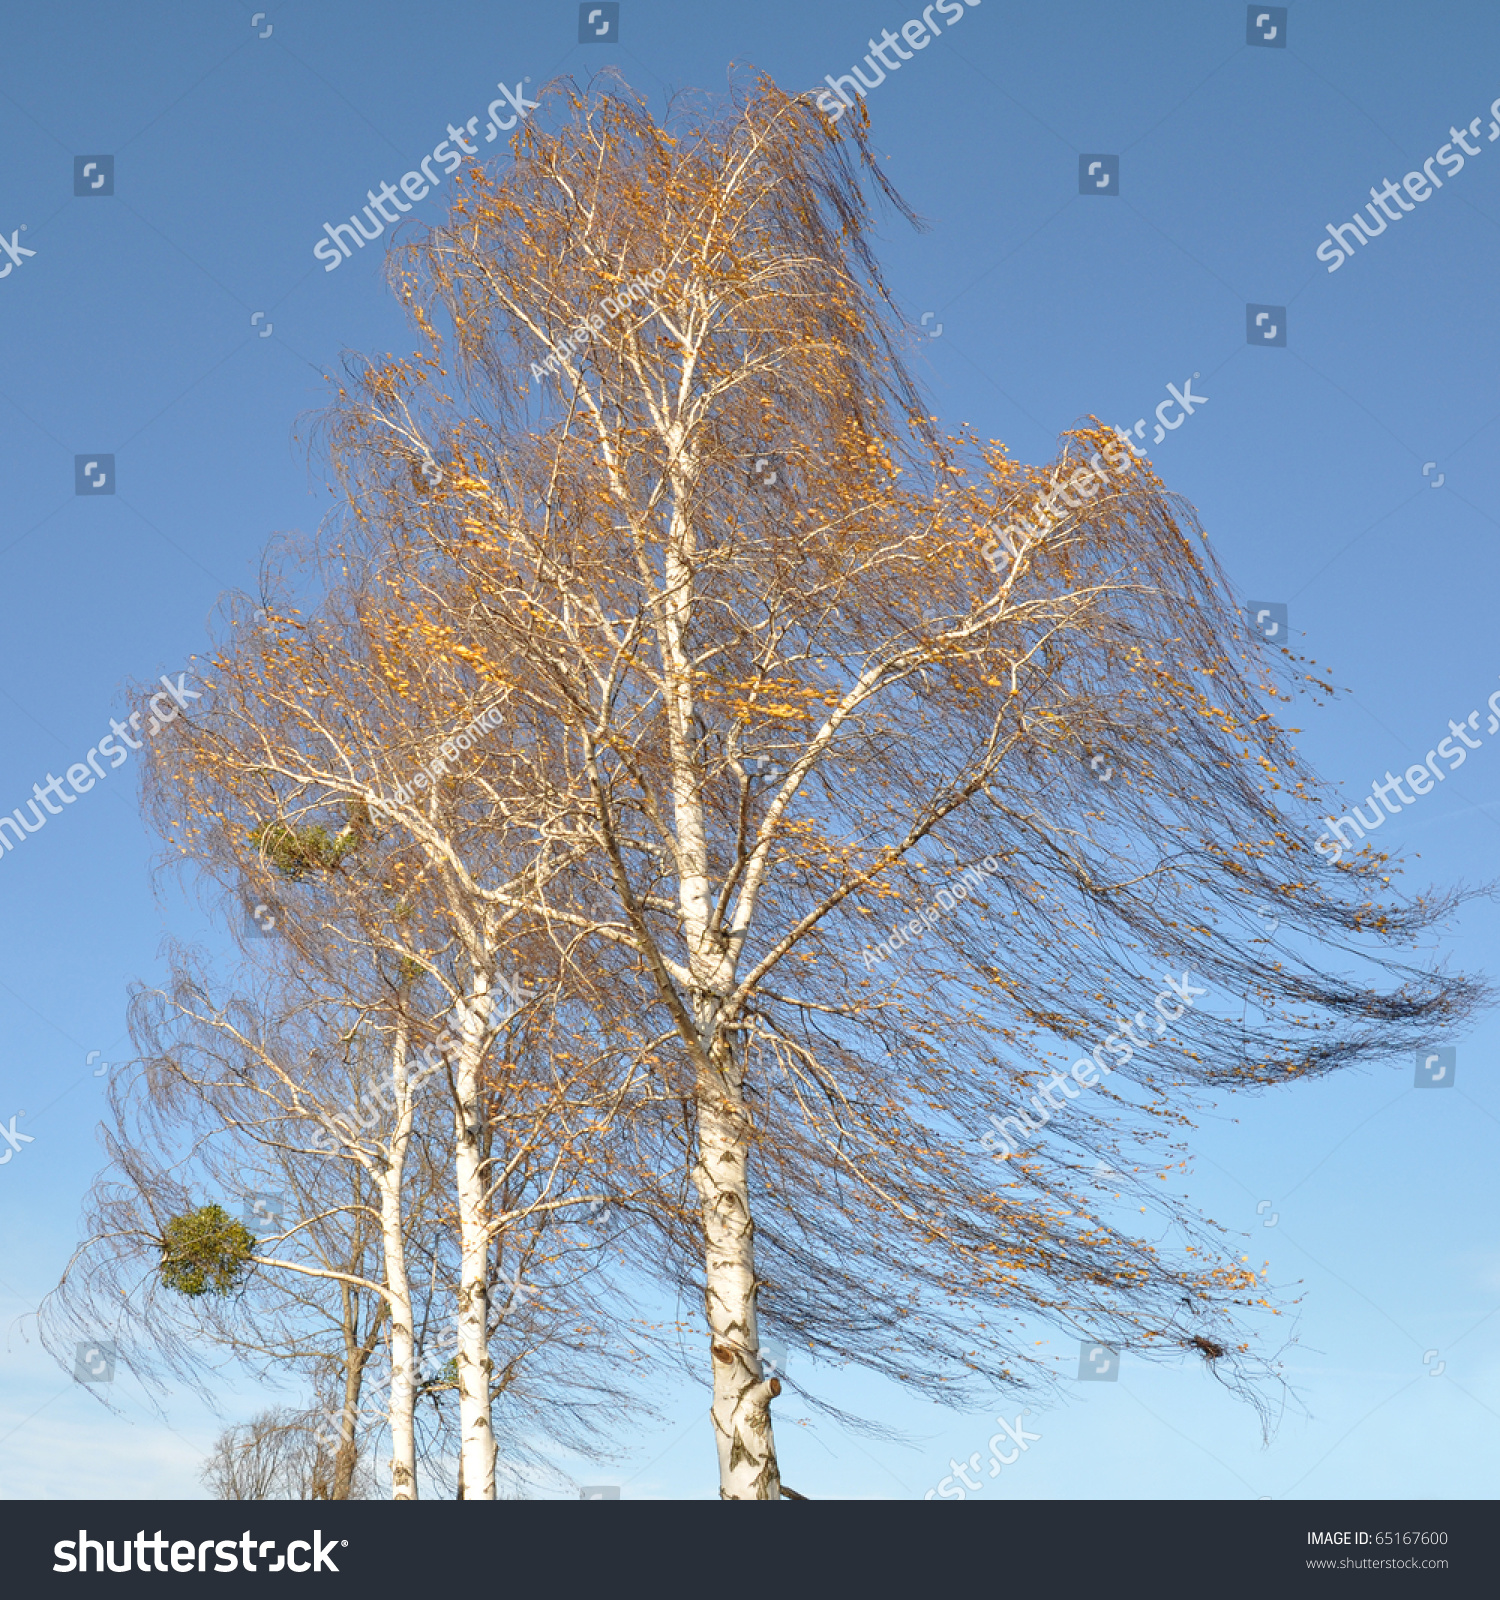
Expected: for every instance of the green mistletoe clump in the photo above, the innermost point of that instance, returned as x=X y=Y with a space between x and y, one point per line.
x=205 y=1252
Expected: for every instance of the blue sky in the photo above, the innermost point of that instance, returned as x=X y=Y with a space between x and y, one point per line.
x=129 y=332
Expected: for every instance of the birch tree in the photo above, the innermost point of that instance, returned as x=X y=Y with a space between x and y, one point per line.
x=211 y=1232
x=331 y=1081
x=321 y=778
x=783 y=664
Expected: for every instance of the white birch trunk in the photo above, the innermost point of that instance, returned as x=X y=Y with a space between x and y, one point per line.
x=401 y=1406
x=476 y=1434
x=741 y=1408
x=742 y=1396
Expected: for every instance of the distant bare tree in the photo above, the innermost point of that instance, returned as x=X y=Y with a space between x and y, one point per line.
x=279 y=1454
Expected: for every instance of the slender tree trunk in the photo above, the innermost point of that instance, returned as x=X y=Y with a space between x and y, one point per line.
x=403 y=1396
x=347 y=1455
x=742 y=1395
x=476 y=1435
x=356 y=1357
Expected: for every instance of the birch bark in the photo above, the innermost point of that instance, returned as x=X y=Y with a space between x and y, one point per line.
x=388 y=1179
x=476 y=1433
x=741 y=1407
x=742 y=1396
